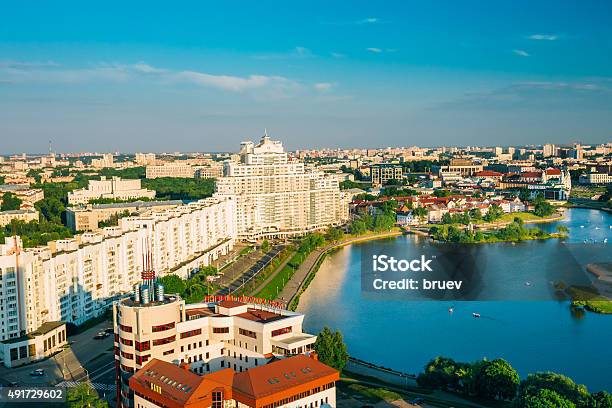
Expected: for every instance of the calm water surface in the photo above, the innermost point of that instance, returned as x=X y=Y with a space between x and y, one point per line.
x=531 y=335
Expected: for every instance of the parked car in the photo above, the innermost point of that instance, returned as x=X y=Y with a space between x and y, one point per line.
x=109 y=330
x=39 y=372
x=417 y=401
x=100 y=336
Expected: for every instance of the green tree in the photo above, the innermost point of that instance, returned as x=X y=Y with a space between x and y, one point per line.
x=562 y=229
x=331 y=349
x=442 y=193
x=497 y=379
x=495 y=212
x=173 y=284
x=545 y=398
x=421 y=213
x=10 y=202
x=334 y=234
x=601 y=399
x=358 y=227
x=83 y=396
x=265 y=245
x=542 y=208
x=562 y=385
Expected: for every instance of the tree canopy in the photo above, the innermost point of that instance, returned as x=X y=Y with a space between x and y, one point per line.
x=331 y=349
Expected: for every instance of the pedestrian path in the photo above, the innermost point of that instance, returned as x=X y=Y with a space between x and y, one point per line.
x=96 y=386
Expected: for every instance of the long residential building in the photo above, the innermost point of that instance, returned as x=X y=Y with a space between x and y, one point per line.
x=115 y=188
x=276 y=197
x=206 y=337
x=73 y=280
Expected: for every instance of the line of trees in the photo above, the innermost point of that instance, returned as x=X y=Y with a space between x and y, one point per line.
x=193 y=289
x=515 y=231
x=498 y=380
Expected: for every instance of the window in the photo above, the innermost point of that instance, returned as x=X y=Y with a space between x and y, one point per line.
x=247 y=333
x=217 y=399
x=168 y=352
x=126 y=342
x=220 y=329
x=166 y=340
x=162 y=327
x=144 y=346
x=278 y=332
x=127 y=329
x=191 y=333
x=128 y=356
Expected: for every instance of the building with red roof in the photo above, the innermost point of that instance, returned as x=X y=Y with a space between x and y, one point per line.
x=296 y=381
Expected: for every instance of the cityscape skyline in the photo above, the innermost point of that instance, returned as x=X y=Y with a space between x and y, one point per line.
x=318 y=76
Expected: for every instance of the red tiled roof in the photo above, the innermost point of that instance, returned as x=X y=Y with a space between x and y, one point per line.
x=230 y=303
x=556 y=172
x=488 y=173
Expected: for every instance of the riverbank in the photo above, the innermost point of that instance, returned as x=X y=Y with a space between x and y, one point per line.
x=302 y=276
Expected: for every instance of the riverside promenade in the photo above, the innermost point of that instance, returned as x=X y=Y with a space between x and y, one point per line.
x=296 y=281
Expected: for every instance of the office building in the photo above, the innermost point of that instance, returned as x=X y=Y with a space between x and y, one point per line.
x=383 y=173
x=207 y=337
x=172 y=169
x=298 y=381
x=115 y=188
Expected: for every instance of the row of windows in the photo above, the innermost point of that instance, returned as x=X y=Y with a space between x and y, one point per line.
x=191 y=333
x=278 y=332
x=163 y=327
x=166 y=340
x=220 y=329
x=302 y=395
x=248 y=333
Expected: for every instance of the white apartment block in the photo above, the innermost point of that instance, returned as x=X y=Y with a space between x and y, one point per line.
x=595 y=178
x=74 y=280
x=115 y=188
x=208 y=337
x=278 y=198
x=172 y=169
x=145 y=159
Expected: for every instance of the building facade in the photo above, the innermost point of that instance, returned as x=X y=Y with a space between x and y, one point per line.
x=383 y=173
x=276 y=197
x=74 y=280
x=170 y=170
x=26 y=215
x=207 y=337
x=47 y=340
x=115 y=188
x=299 y=381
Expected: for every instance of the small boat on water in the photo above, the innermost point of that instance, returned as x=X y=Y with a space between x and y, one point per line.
x=596 y=228
x=605 y=241
x=582 y=226
x=476 y=315
x=451 y=309
x=527 y=283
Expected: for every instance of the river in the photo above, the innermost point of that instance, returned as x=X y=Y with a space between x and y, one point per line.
x=542 y=335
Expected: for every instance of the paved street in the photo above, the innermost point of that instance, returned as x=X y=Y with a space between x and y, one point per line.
x=85 y=357
x=253 y=270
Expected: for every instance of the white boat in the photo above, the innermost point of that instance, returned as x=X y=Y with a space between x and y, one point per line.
x=451 y=309
x=605 y=241
x=582 y=226
x=476 y=315
x=527 y=283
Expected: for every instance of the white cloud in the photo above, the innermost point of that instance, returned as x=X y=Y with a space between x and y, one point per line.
x=323 y=86
x=543 y=37
x=234 y=83
x=369 y=20
x=521 y=53
x=374 y=50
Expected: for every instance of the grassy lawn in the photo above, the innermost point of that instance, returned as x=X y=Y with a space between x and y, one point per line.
x=525 y=216
x=275 y=286
x=589 y=300
x=369 y=394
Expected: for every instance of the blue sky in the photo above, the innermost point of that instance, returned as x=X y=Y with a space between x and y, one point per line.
x=202 y=76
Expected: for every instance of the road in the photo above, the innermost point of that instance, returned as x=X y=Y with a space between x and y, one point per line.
x=251 y=271
x=86 y=357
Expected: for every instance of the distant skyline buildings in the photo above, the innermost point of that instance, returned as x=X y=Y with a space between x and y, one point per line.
x=350 y=74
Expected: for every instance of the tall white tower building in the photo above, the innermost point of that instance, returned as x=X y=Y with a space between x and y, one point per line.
x=276 y=197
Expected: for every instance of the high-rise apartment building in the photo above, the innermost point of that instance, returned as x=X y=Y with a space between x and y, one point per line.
x=73 y=280
x=277 y=197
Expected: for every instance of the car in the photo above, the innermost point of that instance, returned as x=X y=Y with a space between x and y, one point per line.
x=39 y=372
x=99 y=336
x=109 y=330
x=417 y=401
x=12 y=384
